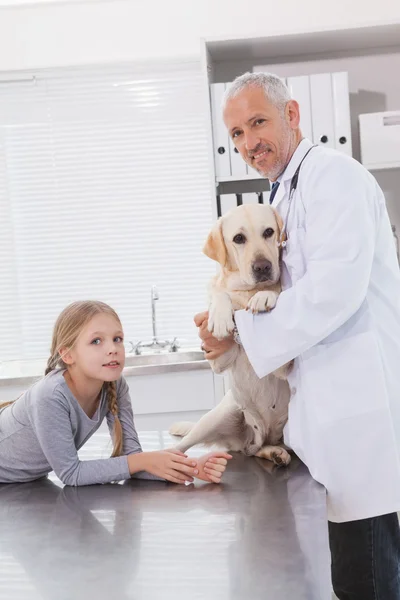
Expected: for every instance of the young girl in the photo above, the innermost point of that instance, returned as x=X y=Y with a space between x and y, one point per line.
x=43 y=429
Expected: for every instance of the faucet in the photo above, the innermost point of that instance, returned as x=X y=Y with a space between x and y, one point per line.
x=154 y=296
x=155 y=342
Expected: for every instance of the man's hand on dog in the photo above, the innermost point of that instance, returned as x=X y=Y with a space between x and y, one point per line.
x=212 y=347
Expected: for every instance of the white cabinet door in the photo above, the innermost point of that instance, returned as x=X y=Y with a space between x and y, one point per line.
x=172 y=392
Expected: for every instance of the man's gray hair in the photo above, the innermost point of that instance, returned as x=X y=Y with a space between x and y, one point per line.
x=275 y=90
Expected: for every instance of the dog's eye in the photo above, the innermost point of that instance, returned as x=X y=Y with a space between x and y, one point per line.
x=239 y=238
x=269 y=232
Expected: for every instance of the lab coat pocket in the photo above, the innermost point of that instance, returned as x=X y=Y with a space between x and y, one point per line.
x=344 y=379
x=293 y=254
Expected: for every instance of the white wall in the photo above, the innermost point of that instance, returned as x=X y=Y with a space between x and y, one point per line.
x=54 y=33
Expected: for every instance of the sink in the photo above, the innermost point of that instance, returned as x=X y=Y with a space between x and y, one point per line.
x=163 y=358
x=165 y=362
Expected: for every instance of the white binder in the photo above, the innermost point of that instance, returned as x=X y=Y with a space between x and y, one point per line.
x=238 y=166
x=299 y=88
x=341 y=107
x=322 y=110
x=220 y=134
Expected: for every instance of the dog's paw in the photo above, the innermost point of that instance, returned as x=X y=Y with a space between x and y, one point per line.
x=262 y=301
x=276 y=454
x=280 y=457
x=220 y=319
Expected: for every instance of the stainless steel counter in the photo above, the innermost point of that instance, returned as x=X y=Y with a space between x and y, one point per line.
x=261 y=534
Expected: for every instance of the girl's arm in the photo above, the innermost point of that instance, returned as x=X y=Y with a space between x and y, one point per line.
x=52 y=425
x=209 y=467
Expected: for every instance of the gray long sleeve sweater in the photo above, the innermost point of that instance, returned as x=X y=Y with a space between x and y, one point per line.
x=45 y=427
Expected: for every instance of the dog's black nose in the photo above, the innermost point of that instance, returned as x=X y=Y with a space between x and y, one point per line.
x=262 y=269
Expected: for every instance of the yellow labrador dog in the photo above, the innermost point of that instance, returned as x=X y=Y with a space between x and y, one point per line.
x=251 y=416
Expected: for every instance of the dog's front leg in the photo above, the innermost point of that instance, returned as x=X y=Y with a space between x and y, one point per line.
x=221 y=324
x=214 y=425
x=220 y=315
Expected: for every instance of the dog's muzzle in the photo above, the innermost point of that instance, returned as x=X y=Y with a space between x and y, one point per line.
x=262 y=270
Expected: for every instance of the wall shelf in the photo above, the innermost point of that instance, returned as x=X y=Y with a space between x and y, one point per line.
x=233 y=178
x=303 y=43
x=382 y=166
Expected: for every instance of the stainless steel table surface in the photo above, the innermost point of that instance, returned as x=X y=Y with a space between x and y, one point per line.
x=261 y=534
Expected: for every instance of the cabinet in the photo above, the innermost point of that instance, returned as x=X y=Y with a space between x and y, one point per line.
x=158 y=400
x=380 y=140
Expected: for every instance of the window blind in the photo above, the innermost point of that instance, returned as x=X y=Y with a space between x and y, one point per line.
x=104 y=191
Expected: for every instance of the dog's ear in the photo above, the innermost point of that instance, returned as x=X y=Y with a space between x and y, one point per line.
x=279 y=222
x=215 y=247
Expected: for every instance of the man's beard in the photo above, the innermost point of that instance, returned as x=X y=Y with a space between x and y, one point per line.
x=272 y=171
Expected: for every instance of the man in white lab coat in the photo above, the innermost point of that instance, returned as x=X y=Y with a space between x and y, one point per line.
x=338 y=316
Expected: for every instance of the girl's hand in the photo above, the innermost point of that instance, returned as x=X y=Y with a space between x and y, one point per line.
x=212 y=465
x=168 y=464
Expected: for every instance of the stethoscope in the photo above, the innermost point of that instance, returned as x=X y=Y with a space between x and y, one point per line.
x=293 y=186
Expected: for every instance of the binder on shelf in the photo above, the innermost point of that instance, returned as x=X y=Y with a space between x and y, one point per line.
x=341 y=109
x=238 y=166
x=220 y=134
x=299 y=88
x=322 y=110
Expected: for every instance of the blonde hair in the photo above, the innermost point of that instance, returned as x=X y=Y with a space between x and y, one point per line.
x=65 y=334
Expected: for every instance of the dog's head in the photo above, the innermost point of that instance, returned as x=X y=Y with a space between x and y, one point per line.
x=246 y=240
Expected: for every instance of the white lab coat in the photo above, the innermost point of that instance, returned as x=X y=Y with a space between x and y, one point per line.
x=339 y=316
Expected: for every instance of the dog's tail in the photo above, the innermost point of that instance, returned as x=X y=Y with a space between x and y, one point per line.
x=181 y=428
